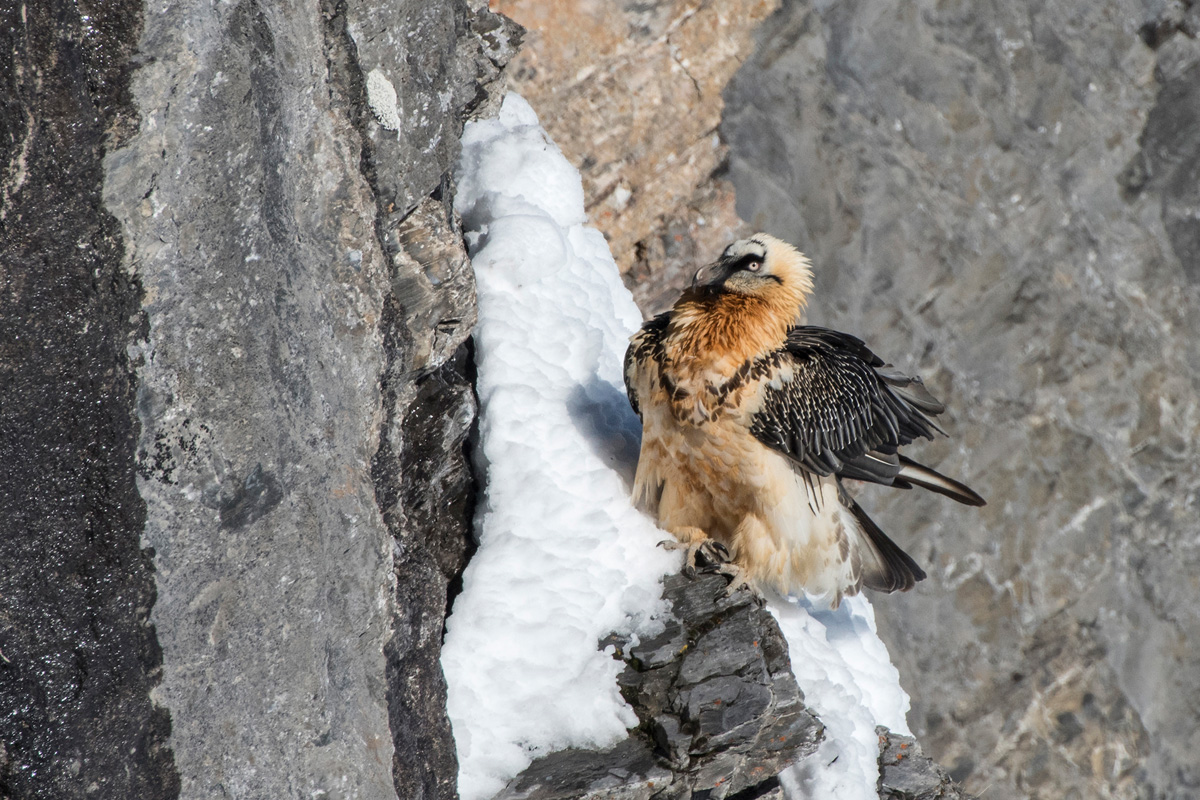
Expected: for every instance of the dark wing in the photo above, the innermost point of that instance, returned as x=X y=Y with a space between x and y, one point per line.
x=836 y=408
x=896 y=571
x=644 y=345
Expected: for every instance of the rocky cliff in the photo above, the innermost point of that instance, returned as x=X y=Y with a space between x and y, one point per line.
x=235 y=385
x=236 y=399
x=235 y=394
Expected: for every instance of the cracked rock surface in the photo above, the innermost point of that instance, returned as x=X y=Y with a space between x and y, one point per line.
x=236 y=394
x=720 y=711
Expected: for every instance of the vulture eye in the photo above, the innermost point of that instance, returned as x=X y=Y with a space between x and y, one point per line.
x=752 y=262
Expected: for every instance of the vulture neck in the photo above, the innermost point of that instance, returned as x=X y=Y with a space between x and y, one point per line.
x=732 y=327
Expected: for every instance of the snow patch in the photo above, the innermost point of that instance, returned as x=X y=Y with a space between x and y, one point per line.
x=381 y=97
x=848 y=680
x=564 y=559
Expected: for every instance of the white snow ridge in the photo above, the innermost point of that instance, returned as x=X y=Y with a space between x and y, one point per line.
x=564 y=559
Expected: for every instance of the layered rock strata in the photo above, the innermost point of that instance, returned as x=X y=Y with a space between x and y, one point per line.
x=721 y=714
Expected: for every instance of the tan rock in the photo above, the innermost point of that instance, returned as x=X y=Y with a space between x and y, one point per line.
x=632 y=94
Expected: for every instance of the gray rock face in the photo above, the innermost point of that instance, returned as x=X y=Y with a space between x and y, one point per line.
x=234 y=320
x=424 y=485
x=720 y=711
x=78 y=655
x=1003 y=199
x=905 y=773
x=1168 y=162
x=441 y=59
x=442 y=54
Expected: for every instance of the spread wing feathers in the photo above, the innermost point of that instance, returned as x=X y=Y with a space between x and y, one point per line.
x=834 y=407
x=893 y=570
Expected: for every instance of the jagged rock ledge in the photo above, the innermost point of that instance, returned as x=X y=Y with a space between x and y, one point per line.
x=721 y=716
x=906 y=773
x=720 y=710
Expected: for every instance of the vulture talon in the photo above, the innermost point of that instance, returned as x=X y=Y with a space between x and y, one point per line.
x=704 y=555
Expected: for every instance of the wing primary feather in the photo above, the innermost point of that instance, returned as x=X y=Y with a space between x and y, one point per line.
x=910 y=388
x=926 y=478
x=839 y=402
x=900 y=573
x=867 y=467
x=889 y=419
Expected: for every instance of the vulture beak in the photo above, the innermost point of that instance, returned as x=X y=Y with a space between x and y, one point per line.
x=708 y=274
